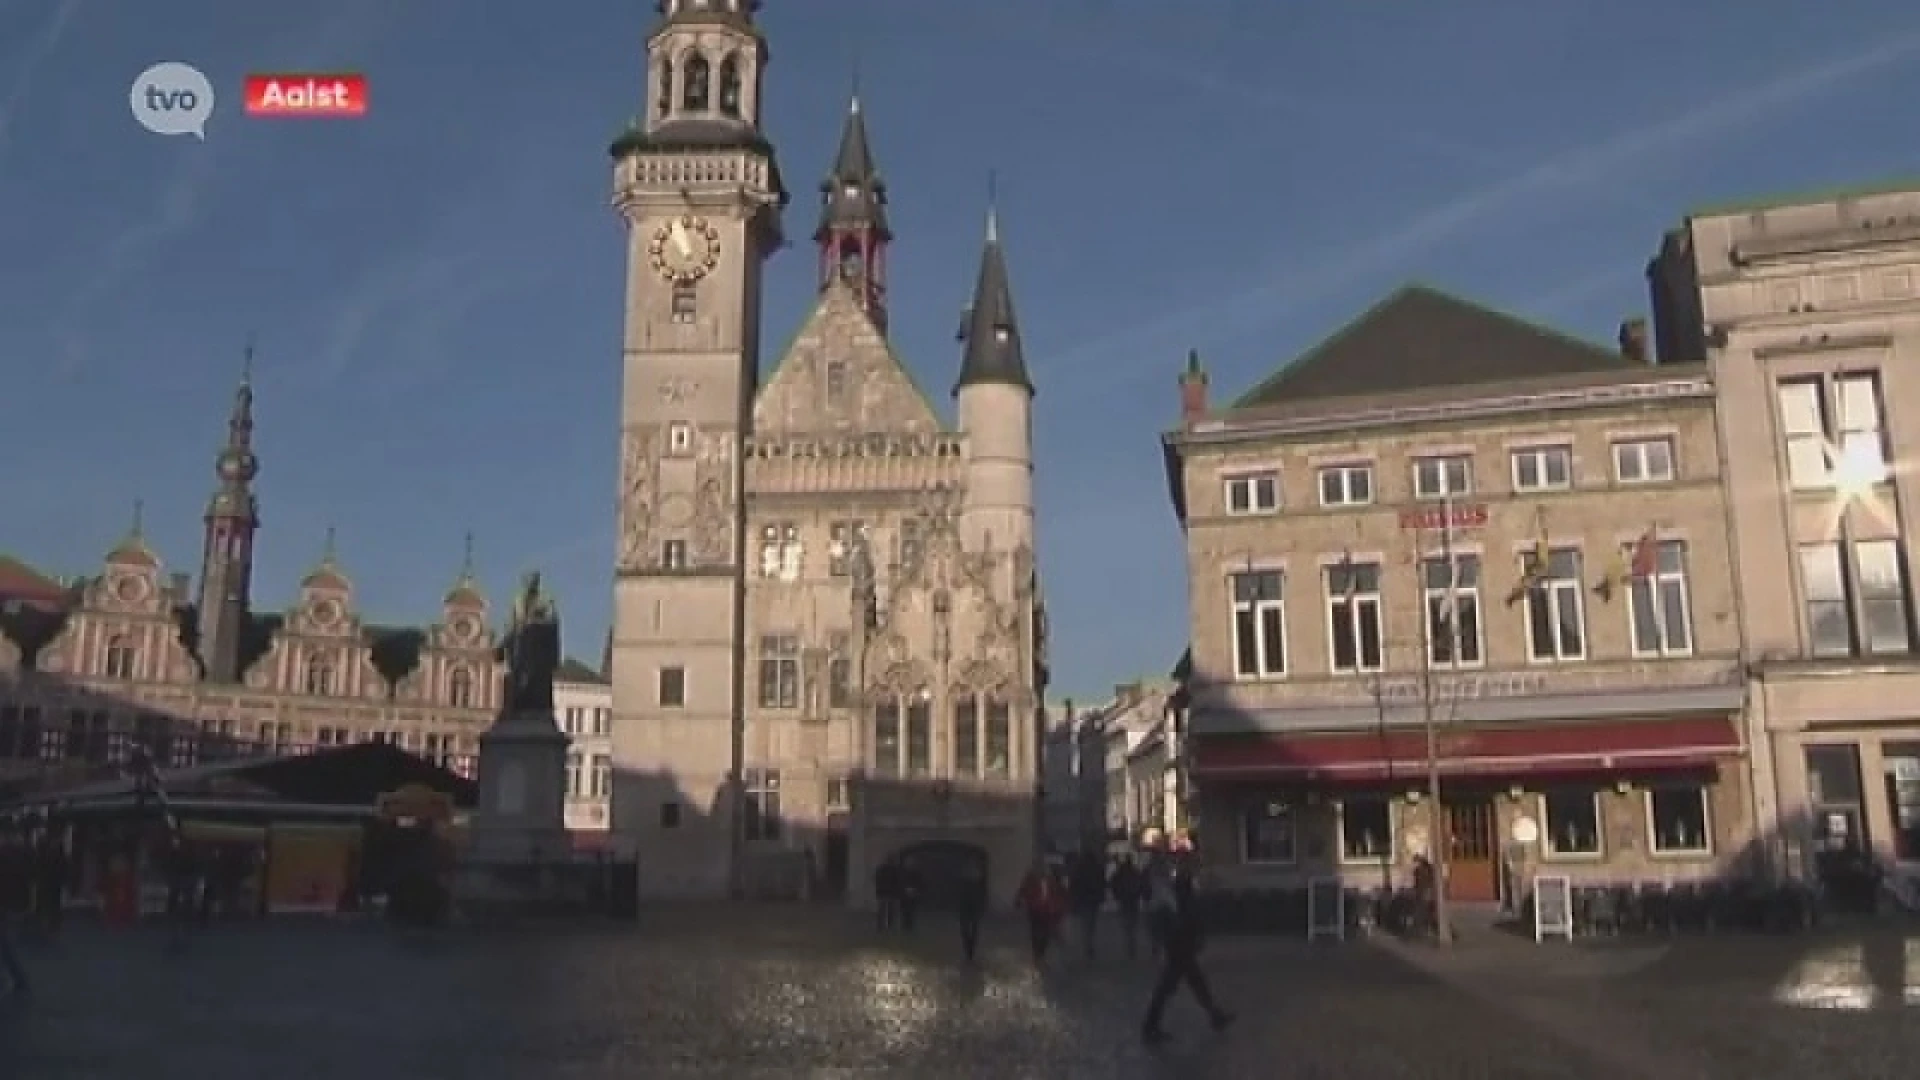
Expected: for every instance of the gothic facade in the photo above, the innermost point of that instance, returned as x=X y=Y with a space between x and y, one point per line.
x=828 y=637
x=137 y=650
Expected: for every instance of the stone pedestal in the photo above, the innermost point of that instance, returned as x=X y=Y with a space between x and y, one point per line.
x=517 y=837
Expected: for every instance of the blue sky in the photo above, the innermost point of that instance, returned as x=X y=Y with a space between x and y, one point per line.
x=436 y=288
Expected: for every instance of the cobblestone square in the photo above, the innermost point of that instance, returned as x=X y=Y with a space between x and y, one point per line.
x=784 y=992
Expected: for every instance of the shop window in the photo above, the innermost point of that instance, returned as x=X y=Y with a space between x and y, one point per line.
x=1677 y=820
x=1268 y=832
x=1570 y=824
x=1366 y=830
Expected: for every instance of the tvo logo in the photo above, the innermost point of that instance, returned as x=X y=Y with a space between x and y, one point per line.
x=172 y=99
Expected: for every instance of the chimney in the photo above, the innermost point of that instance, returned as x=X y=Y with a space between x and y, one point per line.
x=1633 y=340
x=1193 y=391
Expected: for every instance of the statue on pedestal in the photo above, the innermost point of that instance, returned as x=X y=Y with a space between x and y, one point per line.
x=530 y=650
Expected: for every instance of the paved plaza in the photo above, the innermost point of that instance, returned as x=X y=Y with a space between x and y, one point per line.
x=785 y=992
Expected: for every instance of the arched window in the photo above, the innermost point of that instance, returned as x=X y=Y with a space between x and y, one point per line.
x=663 y=96
x=696 y=89
x=996 y=742
x=853 y=259
x=903 y=734
x=122 y=658
x=460 y=688
x=966 y=734
x=730 y=87
x=319 y=676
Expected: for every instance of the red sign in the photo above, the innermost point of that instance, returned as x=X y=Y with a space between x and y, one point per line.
x=1460 y=516
x=306 y=95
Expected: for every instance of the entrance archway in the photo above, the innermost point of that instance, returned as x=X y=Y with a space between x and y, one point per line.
x=942 y=866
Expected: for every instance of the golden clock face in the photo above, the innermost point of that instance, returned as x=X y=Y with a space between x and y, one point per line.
x=685 y=249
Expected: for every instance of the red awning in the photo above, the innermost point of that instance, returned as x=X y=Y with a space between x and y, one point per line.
x=1539 y=748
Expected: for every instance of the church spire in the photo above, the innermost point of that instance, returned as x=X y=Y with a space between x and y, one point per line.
x=853 y=233
x=989 y=330
x=232 y=519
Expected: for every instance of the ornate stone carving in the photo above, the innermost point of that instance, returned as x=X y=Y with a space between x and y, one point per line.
x=676 y=390
x=713 y=522
x=636 y=500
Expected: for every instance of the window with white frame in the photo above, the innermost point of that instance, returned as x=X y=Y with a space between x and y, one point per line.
x=1268 y=832
x=1657 y=604
x=844 y=540
x=1856 y=596
x=1643 y=461
x=686 y=303
x=1443 y=476
x=887 y=722
x=1354 y=631
x=1570 y=823
x=1556 y=612
x=1366 y=829
x=1259 y=624
x=602 y=777
x=1678 y=821
x=1543 y=468
x=762 y=789
x=1832 y=430
x=122 y=659
x=1455 y=635
x=1253 y=493
x=837 y=795
x=780 y=671
x=574 y=781
x=780 y=550
x=1346 y=485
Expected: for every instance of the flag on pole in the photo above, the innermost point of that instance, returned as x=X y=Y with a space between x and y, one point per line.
x=1646 y=556
x=1535 y=564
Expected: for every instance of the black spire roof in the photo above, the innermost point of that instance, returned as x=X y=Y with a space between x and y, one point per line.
x=989 y=330
x=853 y=196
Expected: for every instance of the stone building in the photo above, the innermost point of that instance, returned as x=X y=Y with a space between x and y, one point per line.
x=828 y=642
x=583 y=706
x=138 y=650
x=1442 y=512
x=1807 y=312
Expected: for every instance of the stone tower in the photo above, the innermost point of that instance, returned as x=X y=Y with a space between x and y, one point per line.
x=226 y=566
x=697 y=186
x=995 y=396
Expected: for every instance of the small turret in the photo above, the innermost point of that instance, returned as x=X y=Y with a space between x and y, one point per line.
x=853 y=233
x=995 y=397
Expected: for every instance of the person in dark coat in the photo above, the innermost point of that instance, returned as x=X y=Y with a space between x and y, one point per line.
x=1087 y=890
x=16 y=896
x=970 y=903
x=50 y=879
x=886 y=894
x=911 y=886
x=1177 y=924
x=1128 y=889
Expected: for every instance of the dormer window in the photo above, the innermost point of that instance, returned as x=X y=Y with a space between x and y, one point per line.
x=695 y=94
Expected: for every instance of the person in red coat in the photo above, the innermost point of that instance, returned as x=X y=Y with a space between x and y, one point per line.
x=1044 y=902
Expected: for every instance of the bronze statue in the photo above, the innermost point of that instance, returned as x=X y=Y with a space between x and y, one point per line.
x=531 y=649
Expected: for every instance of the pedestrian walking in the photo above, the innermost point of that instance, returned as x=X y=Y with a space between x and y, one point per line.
x=886 y=895
x=1087 y=889
x=970 y=904
x=1042 y=900
x=1177 y=924
x=16 y=897
x=1128 y=889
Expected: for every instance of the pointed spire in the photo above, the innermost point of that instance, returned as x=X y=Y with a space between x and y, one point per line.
x=853 y=197
x=138 y=529
x=989 y=330
x=466 y=559
x=328 y=552
x=466 y=587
